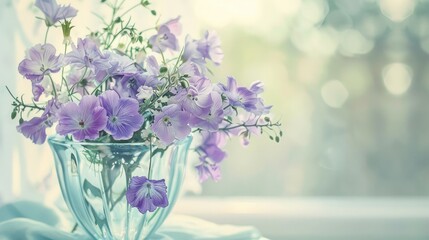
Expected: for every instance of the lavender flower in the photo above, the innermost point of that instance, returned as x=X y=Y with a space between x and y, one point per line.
x=166 y=36
x=239 y=96
x=84 y=121
x=81 y=81
x=192 y=55
x=207 y=170
x=209 y=47
x=211 y=120
x=147 y=195
x=211 y=155
x=123 y=115
x=40 y=61
x=128 y=85
x=211 y=146
x=37 y=89
x=35 y=128
x=171 y=123
x=54 y=12
x=196 y=99
x=87 y=55
x=120 y=65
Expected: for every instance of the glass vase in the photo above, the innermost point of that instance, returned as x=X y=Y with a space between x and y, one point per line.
x=94 y=178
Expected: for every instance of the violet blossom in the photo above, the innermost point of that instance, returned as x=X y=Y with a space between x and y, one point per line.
x=81 y=81
x=54 y=12
x=84 y=121
x=128 y=85
x=239 y=96
x=40 y=61
x=146 y=194
x=196 y=99
x=211 y=120
x=209 y=47
x=166 y=37
x=208 y=170
x=120 y=65
x=211 y=155
x=35 y=128
x=171 y=123
x=123 y=115
x=87 y=55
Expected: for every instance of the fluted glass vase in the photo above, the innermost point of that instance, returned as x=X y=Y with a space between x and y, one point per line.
x=94 y=178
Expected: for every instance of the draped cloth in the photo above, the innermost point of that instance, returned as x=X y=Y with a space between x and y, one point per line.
x=33 y=221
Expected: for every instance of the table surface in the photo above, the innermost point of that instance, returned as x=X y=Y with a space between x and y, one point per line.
x=318 y=218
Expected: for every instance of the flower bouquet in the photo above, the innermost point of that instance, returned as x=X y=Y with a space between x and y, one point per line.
x=126 y=104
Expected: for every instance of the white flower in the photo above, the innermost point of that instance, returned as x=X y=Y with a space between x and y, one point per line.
x=144 y=92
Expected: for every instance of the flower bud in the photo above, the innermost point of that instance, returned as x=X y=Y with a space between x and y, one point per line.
x=66 y=26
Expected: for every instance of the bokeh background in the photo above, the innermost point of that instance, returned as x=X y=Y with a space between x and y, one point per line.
x=347 y=78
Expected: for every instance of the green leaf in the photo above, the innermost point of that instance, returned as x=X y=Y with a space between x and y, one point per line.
x=13 y=115
x=21 y=121
x=277 y=139
x=153 y=12
x=140 y=39
x=145 y=3
x=281 y=134
x=271 y=137
x=163 y=70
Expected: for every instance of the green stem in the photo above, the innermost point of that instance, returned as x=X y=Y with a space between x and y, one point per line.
x=62 y=73
x=150 y=158
x=251 y=125
x=101 y=84
x=53 y=86
x=129 y=10
x=46 y=34
x=21 y=103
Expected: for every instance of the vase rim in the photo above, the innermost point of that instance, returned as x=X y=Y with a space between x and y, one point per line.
x=58 y=139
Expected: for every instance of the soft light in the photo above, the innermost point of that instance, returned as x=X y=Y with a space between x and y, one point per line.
x=397 y=10
x=334 y=93
x=397 y=78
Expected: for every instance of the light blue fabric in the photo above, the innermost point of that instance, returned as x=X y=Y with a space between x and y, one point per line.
x=32 y=221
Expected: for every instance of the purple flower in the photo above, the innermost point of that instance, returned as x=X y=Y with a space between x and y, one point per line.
x=84 y=121
x=166 y=36
x=147 y=195
x=209 y=47
x=123 y=115
x=54 y=12
x=192 y=55
x=239 y=96
x=121 y=65
x=211 y=146
x=128 y=85
x=207 y=170
x=211 y=120
x=87 y=54
x=35 y=128
x=41 y=60
x=174 y=26
x=196 y=99
x=211 y=155
x=81 y=81
x=37 y=89
x=171 y=123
